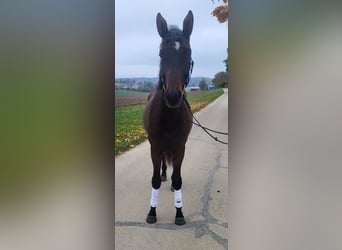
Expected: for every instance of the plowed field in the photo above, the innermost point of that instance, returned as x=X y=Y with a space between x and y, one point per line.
x=126 y=98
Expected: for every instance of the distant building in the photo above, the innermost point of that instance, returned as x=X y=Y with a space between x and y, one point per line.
x=194 y=88
x=135 y=87
x=120 y=86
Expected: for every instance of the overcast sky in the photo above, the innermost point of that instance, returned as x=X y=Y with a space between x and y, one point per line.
x=137 y=40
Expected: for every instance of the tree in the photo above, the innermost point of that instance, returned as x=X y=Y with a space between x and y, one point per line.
x=221 y=12
x=226 y=62
x=221 y=79
x=203 y=84
x=147 y=86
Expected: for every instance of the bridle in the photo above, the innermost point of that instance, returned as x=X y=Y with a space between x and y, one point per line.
x=187 y=80
x=162 y=80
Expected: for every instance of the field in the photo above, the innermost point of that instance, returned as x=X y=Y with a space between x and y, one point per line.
x=125 y=98
x=129 y=107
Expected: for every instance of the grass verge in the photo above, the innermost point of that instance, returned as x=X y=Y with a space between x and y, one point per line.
x=199 y=101
x=129 y=129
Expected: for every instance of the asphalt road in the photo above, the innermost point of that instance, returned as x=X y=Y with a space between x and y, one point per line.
x=204 y=190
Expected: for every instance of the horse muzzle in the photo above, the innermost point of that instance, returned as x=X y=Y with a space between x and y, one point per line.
x=173 y=99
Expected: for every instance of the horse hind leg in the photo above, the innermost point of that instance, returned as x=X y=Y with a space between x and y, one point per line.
x=163 y=176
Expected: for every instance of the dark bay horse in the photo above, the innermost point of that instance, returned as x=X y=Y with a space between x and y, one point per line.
x=167 y=116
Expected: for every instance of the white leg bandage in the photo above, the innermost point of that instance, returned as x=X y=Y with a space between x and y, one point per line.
x=154 y=197
x=178 y=198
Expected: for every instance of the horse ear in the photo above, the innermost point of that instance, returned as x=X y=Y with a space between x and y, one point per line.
x=188 y=23
x=161 y=25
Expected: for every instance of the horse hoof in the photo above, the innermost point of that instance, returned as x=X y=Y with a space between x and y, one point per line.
x=163 y=177
x=179 y=221
x=172 y=189
x=151 y=219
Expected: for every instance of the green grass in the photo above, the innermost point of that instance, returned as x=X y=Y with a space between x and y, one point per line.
x=129 y=128
x=199 y=101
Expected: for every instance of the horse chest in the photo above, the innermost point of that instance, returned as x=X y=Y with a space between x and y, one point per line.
x=174 y=130
x=166 y=126
x=171 y=128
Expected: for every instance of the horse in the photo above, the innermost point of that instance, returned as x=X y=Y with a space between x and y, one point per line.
x=167 y=116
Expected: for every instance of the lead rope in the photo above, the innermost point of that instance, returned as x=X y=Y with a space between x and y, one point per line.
x=205 y=128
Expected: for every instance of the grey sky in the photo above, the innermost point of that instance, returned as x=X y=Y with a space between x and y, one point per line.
x=137 y=40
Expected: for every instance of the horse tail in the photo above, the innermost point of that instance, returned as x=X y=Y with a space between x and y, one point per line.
x=167 y=156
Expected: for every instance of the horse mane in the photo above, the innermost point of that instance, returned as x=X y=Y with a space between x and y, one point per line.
x=173 y=27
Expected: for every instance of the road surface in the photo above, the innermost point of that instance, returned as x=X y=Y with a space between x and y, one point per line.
x=204 y=190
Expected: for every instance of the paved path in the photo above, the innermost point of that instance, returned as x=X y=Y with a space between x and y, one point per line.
x=204 y=190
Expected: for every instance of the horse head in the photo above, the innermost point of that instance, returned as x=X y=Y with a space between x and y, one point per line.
x=176 y=63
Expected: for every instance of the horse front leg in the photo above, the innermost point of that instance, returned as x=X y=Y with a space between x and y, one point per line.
x=177 y=185
x=156 y=182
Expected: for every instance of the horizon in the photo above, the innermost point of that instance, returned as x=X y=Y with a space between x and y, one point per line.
x=131 y=77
